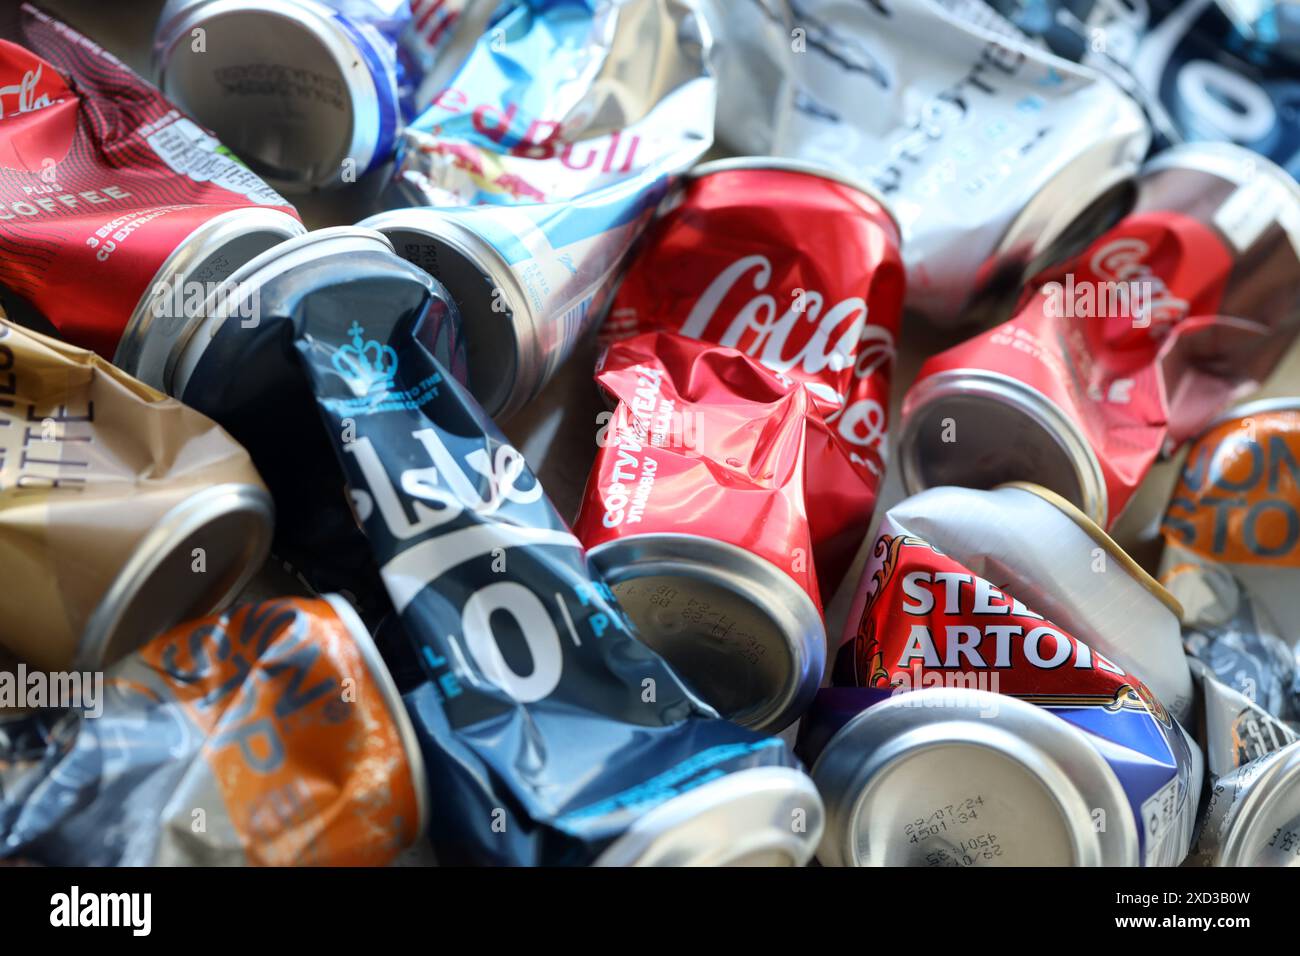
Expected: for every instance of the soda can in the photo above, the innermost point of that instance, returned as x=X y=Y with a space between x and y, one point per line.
x=961 y=777
x=557 y=100
x=702 y=514
x=926 y=617
x=113 y=206
x=122 y=511
x=309 y=92
x=733 y=262
x=340 y=271
x=1040 y=548
x=1126 y=350
x=1252 y=814
x=270 y=735
x=992 y=152
x=510 y=640
x=530 y=281
x=1232 y=729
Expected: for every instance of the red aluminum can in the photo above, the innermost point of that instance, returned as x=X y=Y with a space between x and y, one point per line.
x=1126 y=350
x=114 y=206
x=795 y=266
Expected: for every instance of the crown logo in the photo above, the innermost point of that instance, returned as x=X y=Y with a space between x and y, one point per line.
x=367 y=366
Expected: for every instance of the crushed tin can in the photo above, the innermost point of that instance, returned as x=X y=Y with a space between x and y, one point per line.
x=924 y=617
x=559 y=99
x=270 y=735
x=530 y=281
x=114 y=207
x=1252 y=814
x=992 y=153
x=702 y=512
x=1125 y=351
x=122 y=511
x=554 y=734
x=312 y=94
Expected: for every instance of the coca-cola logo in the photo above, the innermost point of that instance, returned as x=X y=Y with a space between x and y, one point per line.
x=1125 y=260
x=38 y=112
x=804 y=337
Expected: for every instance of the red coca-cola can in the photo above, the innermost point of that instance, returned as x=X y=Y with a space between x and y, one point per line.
x=1125 y=350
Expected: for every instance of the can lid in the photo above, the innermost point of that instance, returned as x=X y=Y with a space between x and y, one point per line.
x=189 y=347
x=804 y=166
x=742 y=819
x=763 y=671
x=1105 y=541
x=1064 y=458
x=232 y=239
x=1268 y=802
x=392 y=699
x=158 y=587
x=302 y=34
x=1030 y=778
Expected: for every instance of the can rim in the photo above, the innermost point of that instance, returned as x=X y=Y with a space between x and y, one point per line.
x=786 y=606
x=187 y=351
x=484 y=256
x=907 y=724
x=1034 y=404
x=803 y=166
x=1224 y=159
x=1251 y=818
x=195 y=512
x=1105 y=541
x=1258 y=406
x=318 y=22
x=348 y=615
x=141 y=340
x=745 y=809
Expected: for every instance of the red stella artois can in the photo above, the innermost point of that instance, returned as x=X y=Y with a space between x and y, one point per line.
x=114 y=208
x=716 y=492
x=1126 y=350
x=791 y=264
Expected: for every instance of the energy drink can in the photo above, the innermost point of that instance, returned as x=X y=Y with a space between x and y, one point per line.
x=114 y=208
x=961 y=777
x=1126 y=350
x=122 y=511
x=308 y=92
x=271 y=735
x=529 y=281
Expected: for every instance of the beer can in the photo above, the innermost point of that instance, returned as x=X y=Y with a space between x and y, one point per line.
x=990 y=151
x=962 y=777
x=530 y=281
x=122 y=511
x=508 y=636
x=926 y=617
x=699 y=512
x=270 y=735
x=1126 y=350
x=306 y=91
x=1232 y=729
x=114 y=208
x=1252 y=815
x=556 y=100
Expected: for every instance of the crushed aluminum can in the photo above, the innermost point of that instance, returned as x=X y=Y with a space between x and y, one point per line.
x=701 y=512
x=530 y=281
x=924 y=618
x=991 y=152
x=270 y=735
x=113 y=206
x=1232 y=729
x=1123 y=352
x=311 y=93
x=733 y=261
x=122 y=511
x=961 y=777
x=559 y=99
x=1252 y=814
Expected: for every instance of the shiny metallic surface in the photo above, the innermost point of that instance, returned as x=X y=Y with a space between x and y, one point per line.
x=763 y=816
x=210 y=255
x=1232 y=729
x=964 y=777
x=1005 y=430
x=1253 y=815
x=763 y=671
